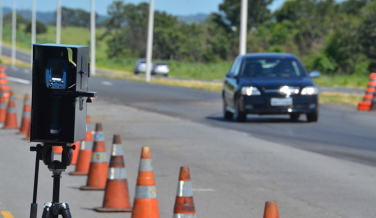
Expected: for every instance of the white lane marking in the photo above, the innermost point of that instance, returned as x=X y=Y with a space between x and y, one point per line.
x=14 y=68
x=18 y=80
x=107 y=83
x=202 y=190
x=26 y=71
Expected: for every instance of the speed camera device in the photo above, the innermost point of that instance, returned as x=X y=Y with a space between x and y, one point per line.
x=60 y=93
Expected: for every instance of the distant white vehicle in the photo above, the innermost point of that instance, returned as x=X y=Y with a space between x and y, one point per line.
x=140 y=66
x=160 y=68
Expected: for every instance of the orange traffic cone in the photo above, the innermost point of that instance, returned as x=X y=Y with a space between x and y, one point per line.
x=26 y=116
x=11 y=117
x=97 y=177
x=271 y=210
x=84 y=156
x=366 y=104
x=145 y=203
x=3 y=107
x=28 y=133
x=116 y=197
x=75 y=152
x=184 y=205
x=57 y=149
x=4 y=83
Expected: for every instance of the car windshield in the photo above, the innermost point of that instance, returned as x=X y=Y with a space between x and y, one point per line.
x=271 y=67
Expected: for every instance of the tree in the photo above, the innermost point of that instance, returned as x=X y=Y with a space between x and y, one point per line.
x=367 y=32
x=75 y=17
x=230 y=13
x=8 y=20
x=344 y=47
x=40 y=28
x=353 y=7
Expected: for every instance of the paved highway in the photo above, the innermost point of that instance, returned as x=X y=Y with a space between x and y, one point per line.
x=235 y=167
x=341 y=131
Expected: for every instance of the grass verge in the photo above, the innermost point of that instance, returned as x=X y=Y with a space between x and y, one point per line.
x=349 y=81
x=340 y=98
x=8 y=61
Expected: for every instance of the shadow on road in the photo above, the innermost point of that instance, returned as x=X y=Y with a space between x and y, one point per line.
x=260 y=119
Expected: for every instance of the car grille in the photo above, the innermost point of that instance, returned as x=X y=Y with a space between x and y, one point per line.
x=275 y=91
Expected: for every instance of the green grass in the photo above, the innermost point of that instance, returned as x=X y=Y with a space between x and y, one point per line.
x=69 y=35
x=349 y=81
x=340 y=98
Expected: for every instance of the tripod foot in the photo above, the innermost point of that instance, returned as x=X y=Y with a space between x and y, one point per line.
x=55 y=209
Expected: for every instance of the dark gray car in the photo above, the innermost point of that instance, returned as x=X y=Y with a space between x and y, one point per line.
x=269 y=83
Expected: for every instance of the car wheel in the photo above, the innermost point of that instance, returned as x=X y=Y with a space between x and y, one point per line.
x=135 y=72
x=294 y=117
x=312 y=117
x=227 y=114
x=166 y=75
x=240 y=116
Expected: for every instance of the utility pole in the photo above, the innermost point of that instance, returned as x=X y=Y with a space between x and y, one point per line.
x=33 y=28
x=243 y=28
x=1 y=28
x=14 y=21
x=149 y=48
x=92 y=40
x=58 y=21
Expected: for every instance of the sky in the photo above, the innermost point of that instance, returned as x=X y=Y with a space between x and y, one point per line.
x=175 y=7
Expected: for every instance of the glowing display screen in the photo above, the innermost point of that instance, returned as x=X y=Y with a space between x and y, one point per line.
x=57 y=70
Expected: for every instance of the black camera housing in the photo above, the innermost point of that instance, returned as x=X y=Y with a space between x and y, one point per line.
x=59 y=93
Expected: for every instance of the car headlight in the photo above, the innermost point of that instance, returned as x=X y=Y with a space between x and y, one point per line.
x=310 y=90
x=250 y=90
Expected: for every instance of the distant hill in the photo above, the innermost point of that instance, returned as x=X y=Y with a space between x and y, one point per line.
x=197 y=18
x=44 y=17
x=49 y=17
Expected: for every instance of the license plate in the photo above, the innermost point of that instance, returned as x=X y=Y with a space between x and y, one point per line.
x=281 y=101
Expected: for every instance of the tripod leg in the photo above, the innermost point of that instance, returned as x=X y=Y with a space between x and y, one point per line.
x=34 y=205
x=64 y=210
x=46 y=210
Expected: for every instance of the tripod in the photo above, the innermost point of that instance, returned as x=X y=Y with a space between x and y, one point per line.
x=51 y=209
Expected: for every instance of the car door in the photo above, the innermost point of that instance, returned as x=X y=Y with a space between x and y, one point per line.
x=230 y=82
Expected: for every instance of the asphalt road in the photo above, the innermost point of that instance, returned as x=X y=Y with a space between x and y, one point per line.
x=20 y=55
x=341 y=131
x=235 y=167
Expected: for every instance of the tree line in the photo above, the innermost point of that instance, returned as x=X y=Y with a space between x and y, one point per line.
x=329 y=36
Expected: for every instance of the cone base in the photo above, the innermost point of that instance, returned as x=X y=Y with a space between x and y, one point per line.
x=110 y=210
x=9 y=127
x=91 y=188
x=78 y=174
x=364 y=108
x=26 y=139
x=22 y=133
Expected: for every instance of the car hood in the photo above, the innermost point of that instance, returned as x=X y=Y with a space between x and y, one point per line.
x=276 y=82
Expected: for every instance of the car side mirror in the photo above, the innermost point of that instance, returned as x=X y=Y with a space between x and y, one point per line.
x=314 y=74
x=230 y=75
